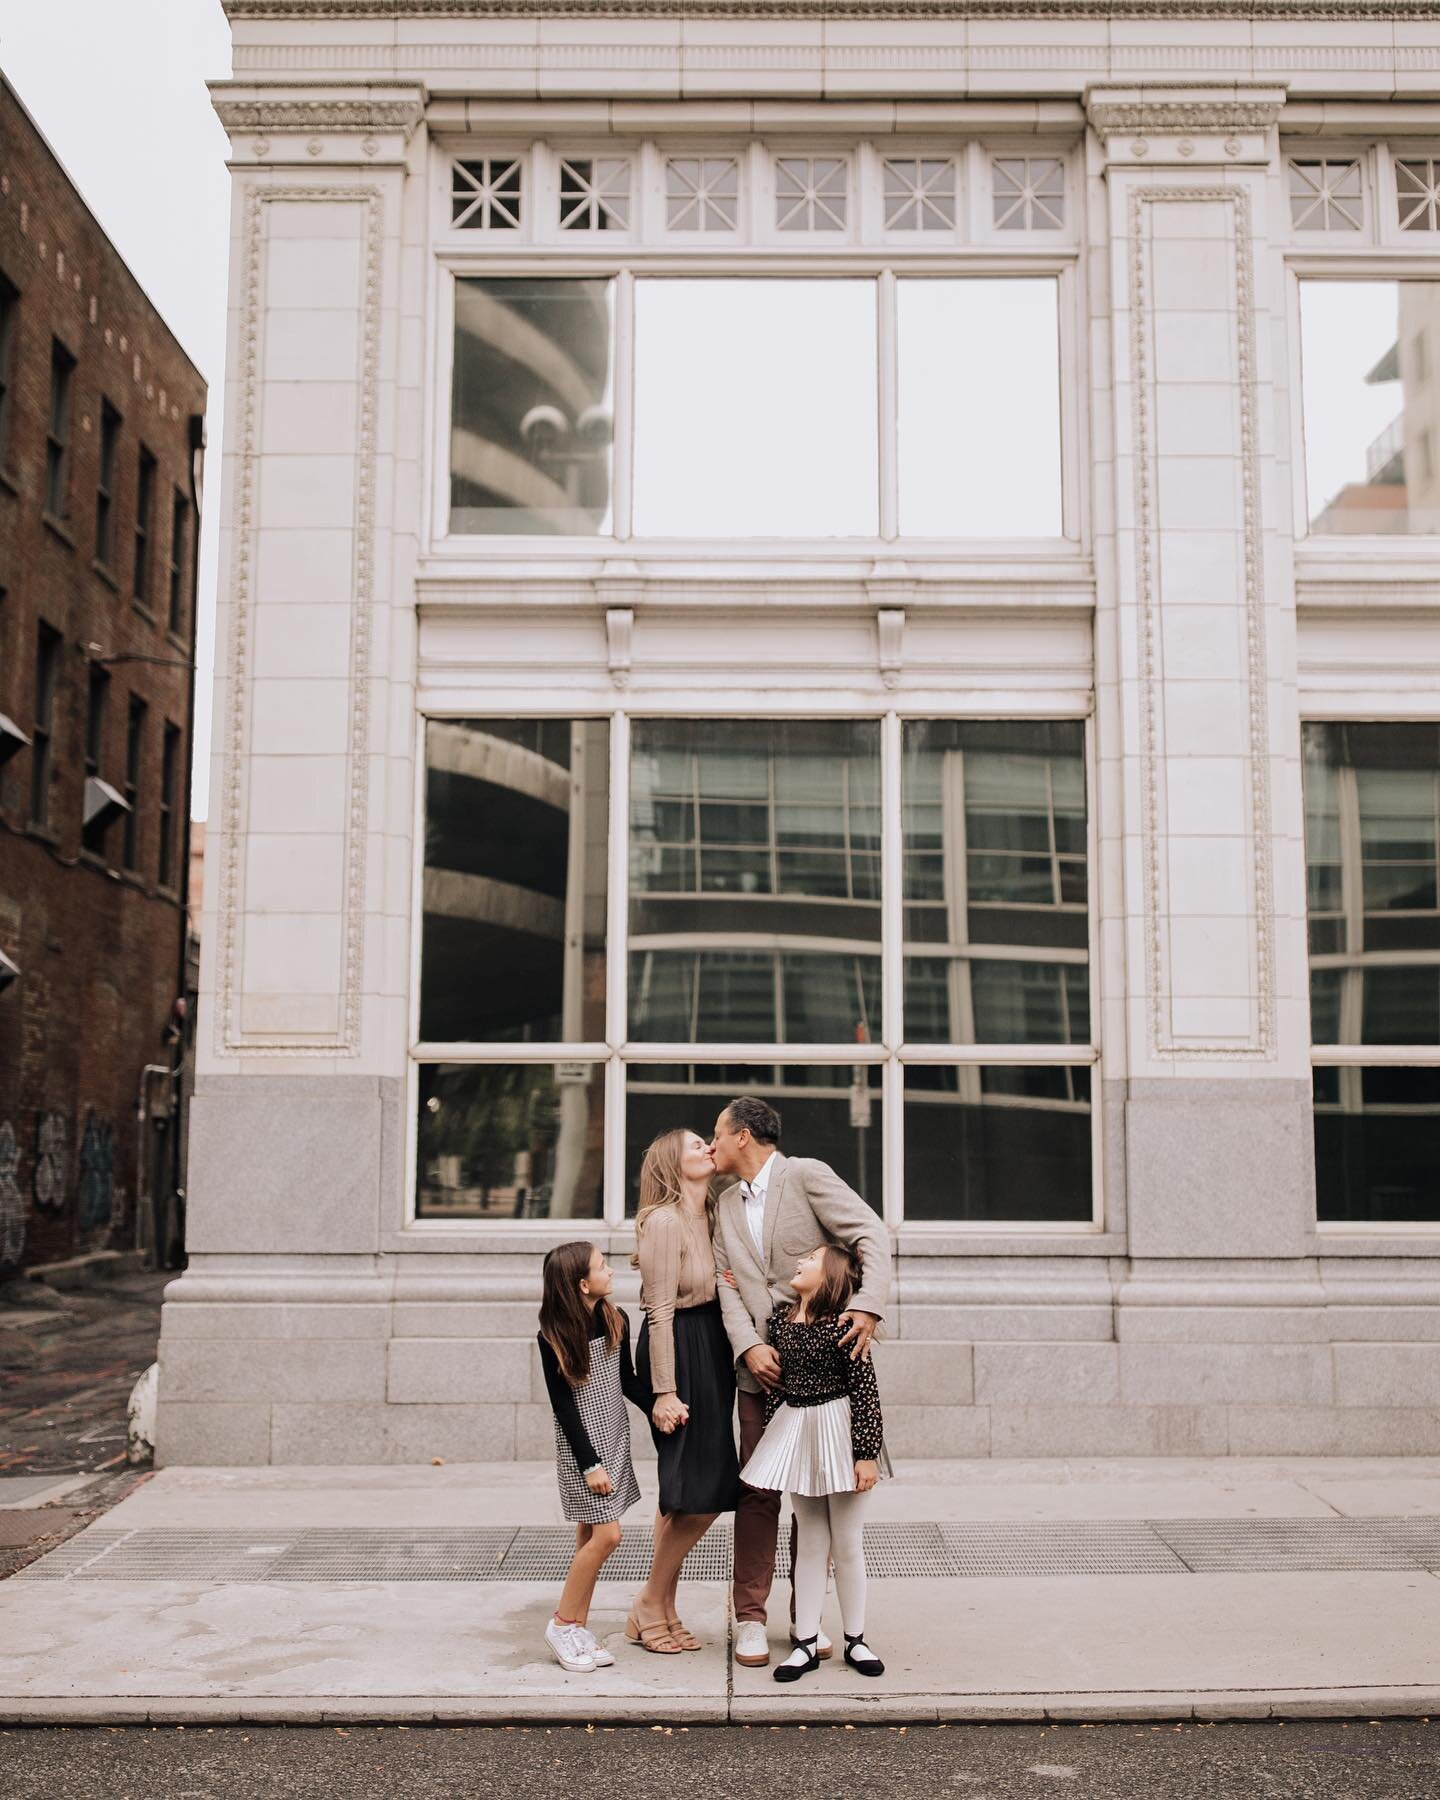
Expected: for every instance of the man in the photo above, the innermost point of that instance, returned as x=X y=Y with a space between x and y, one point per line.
x=777 y=1210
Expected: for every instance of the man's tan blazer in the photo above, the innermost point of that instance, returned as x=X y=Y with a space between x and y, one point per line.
x=806 y=1203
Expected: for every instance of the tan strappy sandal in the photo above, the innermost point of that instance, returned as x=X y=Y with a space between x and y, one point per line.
x=685 y=1638
x=655 y=1638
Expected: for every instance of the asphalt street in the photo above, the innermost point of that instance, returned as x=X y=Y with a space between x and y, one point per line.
x=1388 y=1760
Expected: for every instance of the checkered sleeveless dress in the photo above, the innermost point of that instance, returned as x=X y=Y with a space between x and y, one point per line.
x=602 y=1410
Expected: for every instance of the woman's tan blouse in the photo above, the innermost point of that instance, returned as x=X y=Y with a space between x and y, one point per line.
x=677 y=1271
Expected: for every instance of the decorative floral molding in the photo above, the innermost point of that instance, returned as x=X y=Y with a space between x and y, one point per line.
x=230 y=1039
x=1163 y=1041
x=1299 y=11
x=318 y=115
x=1158 y=111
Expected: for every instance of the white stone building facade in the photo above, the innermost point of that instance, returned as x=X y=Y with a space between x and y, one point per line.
x=871 y=554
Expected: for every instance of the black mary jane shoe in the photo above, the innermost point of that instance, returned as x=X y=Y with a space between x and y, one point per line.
x=792 y=1671
x=865 y=1665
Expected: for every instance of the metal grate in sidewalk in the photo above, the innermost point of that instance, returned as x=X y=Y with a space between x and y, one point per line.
x=984 y=1548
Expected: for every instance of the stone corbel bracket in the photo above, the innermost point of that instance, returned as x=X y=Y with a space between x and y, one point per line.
x=889 y=586
x=324 y=125
x=1179 y=123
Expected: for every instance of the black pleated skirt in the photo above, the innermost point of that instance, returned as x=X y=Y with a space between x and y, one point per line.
x=699 y=1470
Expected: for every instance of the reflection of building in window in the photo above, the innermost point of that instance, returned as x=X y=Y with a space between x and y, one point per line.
x=755 y=882
x=1372 y=833
x=514 y=951
x=531 y=418
x=1401 y=489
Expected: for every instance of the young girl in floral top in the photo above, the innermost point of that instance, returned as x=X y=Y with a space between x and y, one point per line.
x=824 y=1446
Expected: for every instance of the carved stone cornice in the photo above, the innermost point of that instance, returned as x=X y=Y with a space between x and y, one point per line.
x=1297 y=11
x=1184 y=107
x=277 y=106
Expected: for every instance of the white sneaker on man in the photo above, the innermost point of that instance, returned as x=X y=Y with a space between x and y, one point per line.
x=599 y=1655
x=752 y=1646
x=569 y=1648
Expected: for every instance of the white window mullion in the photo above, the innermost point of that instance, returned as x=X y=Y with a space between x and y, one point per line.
x=886 y=399
x=892 y=897
x=614 y=1076
x=624 y=445
x=617 y=981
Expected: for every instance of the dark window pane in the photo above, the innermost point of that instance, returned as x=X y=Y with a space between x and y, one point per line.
x=998 y=1143
x=1377 y=1145
x=516 y=853
x=1325 y=991
x=826 y=1112
x=531 y=419
x=511 y=1141
x=765 y=918
x=1402 y=1006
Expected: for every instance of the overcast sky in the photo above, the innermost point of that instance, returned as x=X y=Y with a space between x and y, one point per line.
x=118 y=88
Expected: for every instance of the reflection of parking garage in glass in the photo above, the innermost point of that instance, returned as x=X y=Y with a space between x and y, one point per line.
x=1372 y=836
x=532 y=410
x=517 y=820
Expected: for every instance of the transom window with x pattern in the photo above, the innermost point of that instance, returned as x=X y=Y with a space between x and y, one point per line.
x=485 y=194
x=1417 y=192
x=811 y=193
x=1327 y=196
x=1028 y=193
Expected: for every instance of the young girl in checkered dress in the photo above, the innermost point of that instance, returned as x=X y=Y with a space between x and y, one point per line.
x=589 y=1374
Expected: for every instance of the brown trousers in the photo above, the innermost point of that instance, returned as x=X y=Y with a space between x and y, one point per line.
x=757 y=1521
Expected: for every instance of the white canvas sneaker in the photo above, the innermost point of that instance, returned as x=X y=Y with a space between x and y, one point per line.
x=599 y=1655
x=569 y=1648
x=752 y=1646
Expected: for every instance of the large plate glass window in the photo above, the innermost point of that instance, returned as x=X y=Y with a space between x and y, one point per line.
x=979 y=408
x=755 y=881
x=996 y=951
x=532 y=412
x=755 y=409
x=1372 y=846
x=1372 y=425
x=513 y=952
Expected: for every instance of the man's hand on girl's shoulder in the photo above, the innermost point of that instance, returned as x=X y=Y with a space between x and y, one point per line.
x=862 y=1327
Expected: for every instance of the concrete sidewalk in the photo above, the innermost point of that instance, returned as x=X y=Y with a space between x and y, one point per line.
x=1290 y=1588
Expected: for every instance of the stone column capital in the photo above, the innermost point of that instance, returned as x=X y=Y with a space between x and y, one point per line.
x=327 y=123
x=1184 y=122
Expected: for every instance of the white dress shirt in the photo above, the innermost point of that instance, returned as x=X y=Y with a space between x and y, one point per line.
x=753 y=1194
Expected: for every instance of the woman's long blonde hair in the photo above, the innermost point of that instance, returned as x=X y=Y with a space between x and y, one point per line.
x=661 y=1183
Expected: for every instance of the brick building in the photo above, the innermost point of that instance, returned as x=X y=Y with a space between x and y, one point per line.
x=100 y=420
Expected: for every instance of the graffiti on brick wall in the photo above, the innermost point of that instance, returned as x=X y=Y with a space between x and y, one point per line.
x=12 y=1205
x=52 y=1146
x=97 y=1172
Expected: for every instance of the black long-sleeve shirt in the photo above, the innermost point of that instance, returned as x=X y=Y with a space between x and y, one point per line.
x=815 y=1367
x=562 y=1395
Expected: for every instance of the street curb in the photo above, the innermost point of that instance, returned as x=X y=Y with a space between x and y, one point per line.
x=815 y=1709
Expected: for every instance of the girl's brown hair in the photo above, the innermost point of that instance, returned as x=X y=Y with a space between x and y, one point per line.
x=839 y=1279
x=567 y=1323
x=661 y=1183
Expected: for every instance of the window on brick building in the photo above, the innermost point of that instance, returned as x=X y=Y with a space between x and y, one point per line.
x=169 y=803
x=105 y=485
x=134 y=750
x=9 y=324
x=144 y=523
x=47 y=674
x=179 y=556
x=57 y=443
x=97 y=696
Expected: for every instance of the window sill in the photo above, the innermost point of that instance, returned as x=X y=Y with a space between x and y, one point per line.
x=9 y=484
x=44 y=833
x=106 y=573
x=59 y=527
x=144 y=612
x=98 y=862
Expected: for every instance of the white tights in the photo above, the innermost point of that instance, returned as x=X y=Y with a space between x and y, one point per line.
x=829 y=1529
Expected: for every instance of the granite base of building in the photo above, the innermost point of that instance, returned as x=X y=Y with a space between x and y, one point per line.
x=357 y=1339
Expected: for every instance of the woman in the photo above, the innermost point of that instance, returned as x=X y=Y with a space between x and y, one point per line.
x=684 y=1358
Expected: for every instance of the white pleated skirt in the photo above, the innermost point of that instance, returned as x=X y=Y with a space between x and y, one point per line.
x=807 y=1450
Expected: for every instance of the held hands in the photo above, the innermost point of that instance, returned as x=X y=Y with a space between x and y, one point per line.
x=599 y=1482
x=728 y=1277
x=763 y=1362
x=862 y=1329
x=866 y=1475
x=670 y=1413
